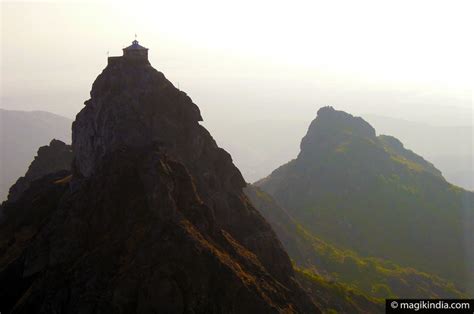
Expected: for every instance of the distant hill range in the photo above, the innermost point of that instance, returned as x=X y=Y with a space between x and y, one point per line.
x=21 y=134
x=260 y=146
x=450 y=147
x=370 y=195
x=255 y=153
x=321 y=259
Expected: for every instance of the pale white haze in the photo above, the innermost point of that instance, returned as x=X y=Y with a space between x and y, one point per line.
x=256 y=66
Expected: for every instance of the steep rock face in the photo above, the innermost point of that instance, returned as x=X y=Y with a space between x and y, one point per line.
x=136 y=106
x=21 y=221
x=153 y=219
x=332 y=126
x=51 y=158
x=369 y=194
x=21 y=133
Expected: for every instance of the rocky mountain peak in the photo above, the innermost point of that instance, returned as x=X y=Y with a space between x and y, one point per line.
x=132 y=105
x=331 y=127
x=153 y=218
x=350 y=186
x=50 y=158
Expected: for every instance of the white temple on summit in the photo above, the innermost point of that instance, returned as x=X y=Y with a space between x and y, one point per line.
x=134 y=53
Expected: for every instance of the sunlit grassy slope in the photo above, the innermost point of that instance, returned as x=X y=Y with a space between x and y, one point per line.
x=370 y=195
x=372 y=277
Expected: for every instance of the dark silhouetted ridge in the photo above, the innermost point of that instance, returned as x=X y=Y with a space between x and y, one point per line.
x=153 y=219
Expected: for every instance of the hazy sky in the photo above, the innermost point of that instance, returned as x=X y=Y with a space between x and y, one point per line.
x=250 y=60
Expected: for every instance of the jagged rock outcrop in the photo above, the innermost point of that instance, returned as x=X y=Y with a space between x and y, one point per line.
x=50 y=158
x=21 y=133
x=152 y=220
x=332 y=126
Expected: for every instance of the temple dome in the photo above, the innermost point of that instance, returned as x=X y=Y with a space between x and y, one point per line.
x=135 y=50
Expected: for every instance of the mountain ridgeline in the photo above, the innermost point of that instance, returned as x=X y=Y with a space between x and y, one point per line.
x=21 y=133
x=368 y=194
x=51 y=158
x=144 y=213
x=151 y=218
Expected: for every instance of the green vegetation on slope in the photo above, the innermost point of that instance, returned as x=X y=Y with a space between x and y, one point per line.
x=373 y=277
x=335 y=297
x=370 y=195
